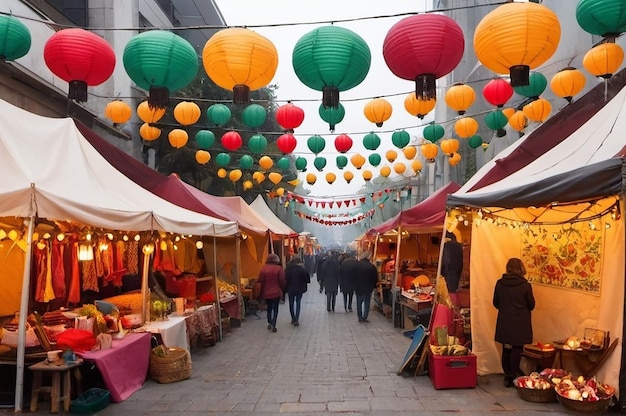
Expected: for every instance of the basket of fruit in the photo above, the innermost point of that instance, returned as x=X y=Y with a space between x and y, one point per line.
x=585 y=395
x=535 y=388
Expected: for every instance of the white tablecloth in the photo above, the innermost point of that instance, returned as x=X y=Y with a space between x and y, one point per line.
x=173 y=331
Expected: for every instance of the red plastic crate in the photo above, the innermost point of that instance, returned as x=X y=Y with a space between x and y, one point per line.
x=453 y=371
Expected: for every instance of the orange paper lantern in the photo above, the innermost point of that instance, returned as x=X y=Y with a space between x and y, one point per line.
x=460 y=97
x=409 y=152
x=118 y=112
x=391 y=155
x=187 y=113
x=378 y=111
x=178 y=138
x=203 y=157
x=518 y=121
x=149 y=115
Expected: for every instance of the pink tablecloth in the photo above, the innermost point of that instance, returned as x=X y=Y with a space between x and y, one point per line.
x=124 y=367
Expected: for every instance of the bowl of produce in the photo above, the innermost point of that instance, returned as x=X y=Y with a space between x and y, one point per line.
x=535 y=388
x=585 y=395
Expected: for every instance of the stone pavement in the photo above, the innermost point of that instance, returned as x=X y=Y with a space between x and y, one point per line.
x=330 y=364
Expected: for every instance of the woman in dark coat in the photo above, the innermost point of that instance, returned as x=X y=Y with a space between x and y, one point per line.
x=330 y=281
x=346 y=281
x=514 y=300
x=272 y=281
x=297 y=279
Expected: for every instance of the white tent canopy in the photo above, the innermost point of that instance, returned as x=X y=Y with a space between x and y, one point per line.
x=48 y=170
x=276 y=226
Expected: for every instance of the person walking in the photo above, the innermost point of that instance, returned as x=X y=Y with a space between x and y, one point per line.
x=330 y=280
x=514 y=300
x=297 y=278
x=272 y=281
x=346 y=280
x=322 y=257
x=366 y=277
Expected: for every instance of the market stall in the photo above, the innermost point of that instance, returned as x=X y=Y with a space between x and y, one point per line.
x=555 y=199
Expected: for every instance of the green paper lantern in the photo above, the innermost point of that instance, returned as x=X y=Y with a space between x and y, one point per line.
x=331 y=59
x=475 y=141
x=332 y=116
x=205 y=139
x=537 y=84
x=283 y=163
x=316 y=144
x=222 y=159
x=15 y=39
x=433 y=132
x=606 y=18
x=496 y=120
x=257 y=143
x=400 y=138
x=341 y=161
x=371 y=141
x=253 y=115
x=218 y=114
x=246 y=162
x=160 y=61
x=374 y=159
x=301 y=164
x=319 y=163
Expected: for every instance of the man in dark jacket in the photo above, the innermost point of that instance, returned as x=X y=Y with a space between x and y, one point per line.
x=514 y=300
x=347 y=275
x=330 y=280
x=364 y=283
x=297 y=279
x=452 y=262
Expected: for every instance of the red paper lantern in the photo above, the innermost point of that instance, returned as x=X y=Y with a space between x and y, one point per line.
x=289 y=116
x=343 y=143
x=497 y=92
x=81 y=58
x=231 y=140
x=286 y=143
x=422 y=48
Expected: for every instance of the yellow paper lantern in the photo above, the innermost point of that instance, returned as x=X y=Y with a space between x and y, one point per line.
x=118 y=112
x=567 y=83
x=348 y=176
x=515 y=38
x=409 y=152
x=391 y=155
x=429 y=151
x=266 y=162
x=187 y=113
x=247 y=185
x=399 y=168
x=149 y=115
x=460 y=97
x=357 y=160
x=240 y=60
x=221 y=173
x=258 y=177
x=234 y=175
x=367 y=175
x=518 y=121
x=603 y=60
x=538 y=110
x=275 y=177
x=508 y=112
x=416 y=165
x=311 y=178
x=331 y=177
x=449 y=146
x=454 y=159
x=417 y=106
x=178 y=138
x=203 y=157
x=149 y=133
x=378 y=111
x=466 y=127
x=280 y=191
x=385 y=171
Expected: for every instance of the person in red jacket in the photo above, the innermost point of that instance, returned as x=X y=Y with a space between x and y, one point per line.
x=272 y=281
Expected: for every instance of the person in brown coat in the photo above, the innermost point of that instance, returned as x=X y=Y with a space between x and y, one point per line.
x=272 y=281
x=514 y=300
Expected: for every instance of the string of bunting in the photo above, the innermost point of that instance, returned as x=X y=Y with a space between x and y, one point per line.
x=334 y=222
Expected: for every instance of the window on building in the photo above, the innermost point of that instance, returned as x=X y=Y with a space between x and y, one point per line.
x=74 y=10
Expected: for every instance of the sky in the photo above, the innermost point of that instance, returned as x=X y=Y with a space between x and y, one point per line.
x=291 y=19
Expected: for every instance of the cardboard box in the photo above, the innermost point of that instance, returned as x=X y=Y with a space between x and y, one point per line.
x=452 y=371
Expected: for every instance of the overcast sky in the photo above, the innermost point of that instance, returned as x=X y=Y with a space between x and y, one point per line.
x=379 y=81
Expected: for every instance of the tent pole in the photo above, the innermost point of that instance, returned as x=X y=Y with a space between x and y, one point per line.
x=238 y=273
x=375 y=248
x=21 y=341
x=217 y=291
x=394 y=283
x=145 y=297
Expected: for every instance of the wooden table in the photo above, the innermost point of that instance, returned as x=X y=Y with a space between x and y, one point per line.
x=588 y=361
x=57 y=371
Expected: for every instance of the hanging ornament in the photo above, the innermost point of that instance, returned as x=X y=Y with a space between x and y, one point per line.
x=341 y=161
x=301 y=164
x=289 y=116
x=416 y=165
x=606 y=18
x=246 y=162
x=567 y=83
x=221 y=173
x=357 y=160
x=332 y=115
x=222 y=159
x=537 y=84
x=367 y=175
x=240 y=60
x=422 y=48
x=496 y=120
x=429 y=151
x=385 y=171
x=15 y=38
x=275 y=177
x=348 y=176
x=203 y=157
x=331 y=59
x=187 y=113
x=316 y=144
x=118 y=112
x=399 y=168
x=253 y=115
x=149 y=133
x=286 y=143
x=371 y=141
x=231 y=140
x=247 y=185
x=79 y=57
x=497 y=92
x=378 y=111
x=460 y=97
x=506 y=41
x=374 y=159
x=266 y=163
x=331 y=178
x=319 y=163
x=283 y=163
x=218 y=114
x=433 y=132
x=205 y=139
x=311 y=178
x=259 y=177
x=160 y=61
x=538 y=110
x=419 y=107
x=178 y=138
x=475 y=141
x=257 y=143
x=508 y=112
x=409 y=152
x=391 y=155
x=449 y=146
x=343 y=143
x=604 y=60
x=400 y=138
x=234 y=175
x=465 y=127
x=454 y=159
x=518 y=121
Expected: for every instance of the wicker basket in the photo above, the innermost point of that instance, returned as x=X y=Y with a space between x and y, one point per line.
x=584 y=406
x=536 y=395
x=168 y=365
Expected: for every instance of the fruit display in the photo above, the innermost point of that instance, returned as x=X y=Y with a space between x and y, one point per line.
x=534 y=381
x=449 y=350
x=581 y=389
x=226 y=289
x=555 y=375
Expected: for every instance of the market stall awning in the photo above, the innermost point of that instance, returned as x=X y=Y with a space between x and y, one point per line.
x=277 y=227
x=429 y=215
x=49 y=170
